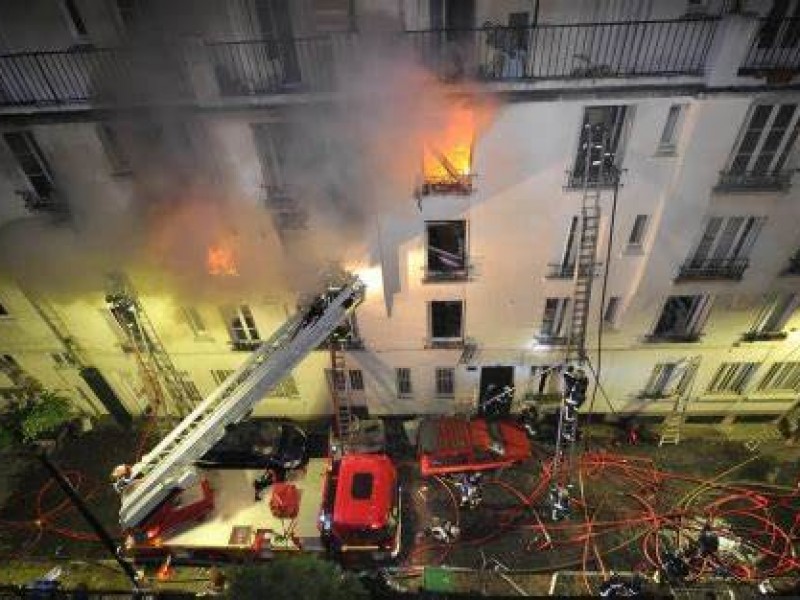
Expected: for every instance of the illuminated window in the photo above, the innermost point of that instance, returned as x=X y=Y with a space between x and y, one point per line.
x=447 y=155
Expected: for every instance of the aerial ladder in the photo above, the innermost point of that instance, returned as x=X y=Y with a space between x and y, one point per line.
x=343 y=418
x=169 y=467
x=596 y=171
x=158 y=371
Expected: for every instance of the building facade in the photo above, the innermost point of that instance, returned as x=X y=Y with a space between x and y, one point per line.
x=214 y=159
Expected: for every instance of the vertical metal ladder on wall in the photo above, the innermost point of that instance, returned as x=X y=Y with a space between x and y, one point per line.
x=157 y=367
x=594 y=176
x=339 y=383
x=671 y=428
x=169 y=467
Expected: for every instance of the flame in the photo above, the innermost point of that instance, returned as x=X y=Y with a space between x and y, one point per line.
x=447 y=155
x=222 y=259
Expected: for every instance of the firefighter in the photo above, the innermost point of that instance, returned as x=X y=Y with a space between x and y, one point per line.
x=707 y=541
x=575 y=385
x=262 y=482
x=121 y=476
x=560 y=499
x=445 y=532
x=470 y=493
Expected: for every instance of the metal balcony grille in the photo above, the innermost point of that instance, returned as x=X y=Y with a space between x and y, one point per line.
x=574 y=51
x=751 y=181
x=713 y=268
x=776 y=47
x=674 y=337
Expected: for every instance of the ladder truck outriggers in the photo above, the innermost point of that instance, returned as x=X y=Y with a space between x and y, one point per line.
x=166 y=514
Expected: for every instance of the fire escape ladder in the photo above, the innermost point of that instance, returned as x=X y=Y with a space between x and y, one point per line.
x=344 y=419
x=169 y=466
x=151 y=354
x=594 y=174
x=671 y=429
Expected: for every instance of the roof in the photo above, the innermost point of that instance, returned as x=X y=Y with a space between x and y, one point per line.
x=365 y=491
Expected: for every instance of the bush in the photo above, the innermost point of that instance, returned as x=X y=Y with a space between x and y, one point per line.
x=304 y=577
x=44 y=416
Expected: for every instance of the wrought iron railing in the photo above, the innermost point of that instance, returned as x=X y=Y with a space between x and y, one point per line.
x=713 y=268
x=673 y=336
x=776 y=47
x=778 y=181
x=254 y=67
x=102 y=74
x=574 y=51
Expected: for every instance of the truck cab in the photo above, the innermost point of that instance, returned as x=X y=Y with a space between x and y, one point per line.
x=361 y=506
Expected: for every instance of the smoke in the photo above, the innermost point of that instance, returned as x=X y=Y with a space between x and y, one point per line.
x=348 y=164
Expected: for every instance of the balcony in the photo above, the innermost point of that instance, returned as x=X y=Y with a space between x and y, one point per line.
x=713 y=269
x=775 y=50
x=673 y=337
x=729 y=182
x=572 y=51
x=243 y=68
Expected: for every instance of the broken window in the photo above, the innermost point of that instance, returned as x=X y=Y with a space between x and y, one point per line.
x=404 y=389
x=445 y=386
x=554 y=319
x=599 y=145
x=731 y=378
x=447 y=250
x=242 y=327
x=31 y=161
x=682 y=317
x=781 y=377
x=446 y=324
x=773 y=316
x=447 y=155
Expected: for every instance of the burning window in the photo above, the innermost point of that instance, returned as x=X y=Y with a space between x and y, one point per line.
x=447 y=155
x=447 y=250
x=221 y=259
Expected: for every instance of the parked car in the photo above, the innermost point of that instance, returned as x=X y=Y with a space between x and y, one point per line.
x=259 y=445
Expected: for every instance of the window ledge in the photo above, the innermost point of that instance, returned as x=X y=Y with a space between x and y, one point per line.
x=552 y=340
x=666 y=151
x=446 y=277
x=673 y=338
x=634 y=250
x=445 y=396
x=445 y=344
x=764 y=336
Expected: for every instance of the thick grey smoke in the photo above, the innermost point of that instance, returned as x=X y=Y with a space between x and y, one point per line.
x=352 y=161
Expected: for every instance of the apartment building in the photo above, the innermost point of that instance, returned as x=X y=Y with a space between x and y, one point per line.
x=205 y=162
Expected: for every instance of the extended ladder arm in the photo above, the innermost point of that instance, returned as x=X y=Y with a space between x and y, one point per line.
x=169 y=466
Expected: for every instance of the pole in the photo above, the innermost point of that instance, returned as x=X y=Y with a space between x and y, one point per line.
x=87 y=514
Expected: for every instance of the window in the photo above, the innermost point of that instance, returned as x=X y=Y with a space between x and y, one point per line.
x=286 y=388
x=194 y=320
x=731 y=378
x=221 y=375
x=117 y=158
x=404 y=389
x=445 y=387
x=242 y=327
x=763 y=148
x=565 y=268
x=773 y=316
x=546 y=380
x=447 y=154
x=722 y=252
x=668 y=379
x=554 y=319
x=4 y=311
x=63 y=360
x=601 y=130
x=669 y=135
x=446 y=325
x=778 y=31
x=356 y=380
x=336 y=379
x=781 y=377
x=638 y=231
x=612 y=308
x=74 y=19
x=447 y=250
x=31 y=160
x=682 y=318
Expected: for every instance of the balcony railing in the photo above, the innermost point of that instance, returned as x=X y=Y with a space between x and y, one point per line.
x=574 y=51
x=713 y=268
x=775 y=48
x=673 y=337
x=750 y=181
x=266 y=66
x=103 y=74
x=440 y=276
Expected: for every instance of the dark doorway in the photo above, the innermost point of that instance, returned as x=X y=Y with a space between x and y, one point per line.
x=496 y=391
x=98 y=384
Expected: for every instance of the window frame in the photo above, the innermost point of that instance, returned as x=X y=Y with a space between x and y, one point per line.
x=403 y=382
x=442 y=341
x=34 y=151
x=240 y=313
x=780 y=371
x=668 y=144
x=456 y=273
x=772 y=317
x=611 y=311
x=557 y=322
x=74 y=21
x=732 y=378
x=695 y=320
x=620 y=126
x=782 y=154
x=445 y=385
x=117 y=158
x=638 y=234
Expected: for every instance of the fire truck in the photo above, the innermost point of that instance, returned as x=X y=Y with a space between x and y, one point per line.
x=172 y=506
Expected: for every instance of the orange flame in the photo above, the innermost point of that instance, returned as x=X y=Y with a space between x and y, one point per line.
x=221 y=259
x=447 y=156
